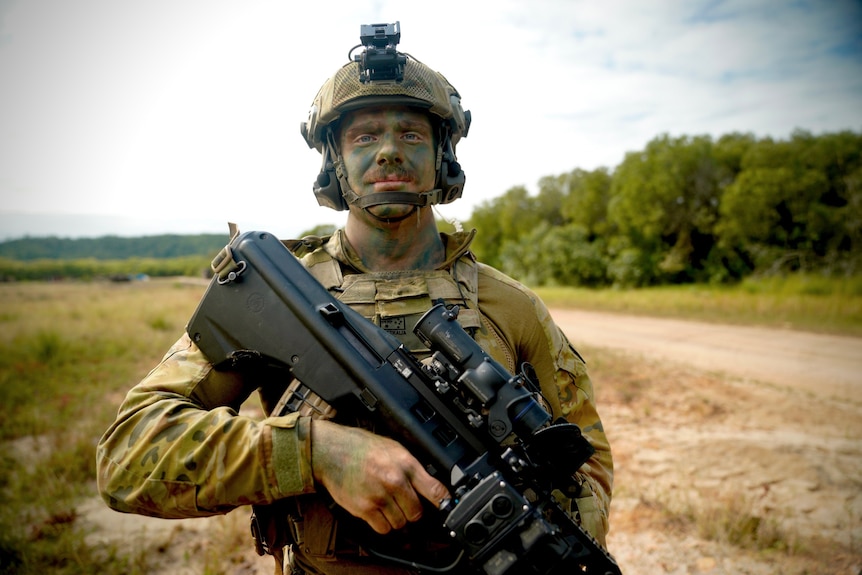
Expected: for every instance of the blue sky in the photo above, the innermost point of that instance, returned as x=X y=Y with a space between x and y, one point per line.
x=178 y=115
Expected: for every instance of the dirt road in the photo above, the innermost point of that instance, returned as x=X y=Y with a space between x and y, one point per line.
x=827 y=364
x=737 y=449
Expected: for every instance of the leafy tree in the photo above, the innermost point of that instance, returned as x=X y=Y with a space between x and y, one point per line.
x=795 y=204
x=548 y=202
x=507 y=218
x=849 y=257
x=728 y=152
x=839 y=157
x=766 y=214
x=721 y=264
x=630 y=266
x=664 y=202
x=570 y=258
x=556 y=255
x=586 y=200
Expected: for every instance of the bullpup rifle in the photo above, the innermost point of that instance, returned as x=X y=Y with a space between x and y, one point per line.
x=477 y=428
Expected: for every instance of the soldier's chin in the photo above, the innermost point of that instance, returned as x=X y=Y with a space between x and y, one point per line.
x=391 y=212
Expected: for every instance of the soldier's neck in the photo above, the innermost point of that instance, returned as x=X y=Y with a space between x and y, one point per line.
x=405 y=245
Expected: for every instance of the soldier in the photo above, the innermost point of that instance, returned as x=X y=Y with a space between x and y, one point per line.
x=179 y=448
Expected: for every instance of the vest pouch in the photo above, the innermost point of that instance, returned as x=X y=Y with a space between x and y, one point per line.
x=399 y=305
x=316 y=528
x=396 y=300
x=590 y=516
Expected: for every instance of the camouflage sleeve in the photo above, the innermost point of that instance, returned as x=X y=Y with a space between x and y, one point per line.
x=179 y=448
x=567 y=385
x=524 y=322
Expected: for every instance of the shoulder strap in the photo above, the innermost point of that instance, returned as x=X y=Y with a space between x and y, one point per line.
x=318 y=262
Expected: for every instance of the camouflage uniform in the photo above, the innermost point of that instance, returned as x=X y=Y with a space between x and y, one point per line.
x=178 y=447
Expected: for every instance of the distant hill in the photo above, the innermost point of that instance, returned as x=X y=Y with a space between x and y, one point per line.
x=113 y=247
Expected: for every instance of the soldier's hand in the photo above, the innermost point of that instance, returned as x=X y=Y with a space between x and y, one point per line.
x=374 y=478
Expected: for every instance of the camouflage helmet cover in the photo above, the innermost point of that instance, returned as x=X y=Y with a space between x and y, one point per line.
x=421 y=87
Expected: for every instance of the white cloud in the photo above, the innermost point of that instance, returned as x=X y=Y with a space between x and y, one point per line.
x=188 y=110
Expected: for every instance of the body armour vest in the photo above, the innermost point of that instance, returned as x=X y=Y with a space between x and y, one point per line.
x=395 y=301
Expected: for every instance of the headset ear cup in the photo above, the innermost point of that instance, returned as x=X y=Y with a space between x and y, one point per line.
x=452 y=183
x=326 y=187
x=452 y=177
x=328 y=191
x=454 y=169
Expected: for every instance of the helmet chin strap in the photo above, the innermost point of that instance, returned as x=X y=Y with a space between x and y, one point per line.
x=421 y=200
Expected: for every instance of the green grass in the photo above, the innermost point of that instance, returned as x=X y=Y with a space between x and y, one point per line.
x=811 y=303
x=69 y=351
x=68 y=354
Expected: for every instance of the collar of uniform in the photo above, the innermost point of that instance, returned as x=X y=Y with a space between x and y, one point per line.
x=457 y=245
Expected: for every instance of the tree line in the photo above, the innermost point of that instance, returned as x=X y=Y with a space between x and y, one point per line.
x=113 y=247
x=126 y=269
x=686 y=209
x=683 y=210
x=111 y=257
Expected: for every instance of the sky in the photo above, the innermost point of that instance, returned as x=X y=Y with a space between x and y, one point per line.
x=177 y=116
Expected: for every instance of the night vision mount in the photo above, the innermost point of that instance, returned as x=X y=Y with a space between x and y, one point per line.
x=381 y=61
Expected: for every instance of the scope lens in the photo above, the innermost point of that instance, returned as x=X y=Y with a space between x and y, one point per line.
x=530 y=418
x=475 y=533
x=502 y=506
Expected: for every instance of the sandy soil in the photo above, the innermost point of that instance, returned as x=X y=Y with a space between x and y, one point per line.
x=719 y=429
x=737 y=450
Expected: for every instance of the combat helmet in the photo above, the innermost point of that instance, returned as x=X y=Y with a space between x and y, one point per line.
x=382 y=75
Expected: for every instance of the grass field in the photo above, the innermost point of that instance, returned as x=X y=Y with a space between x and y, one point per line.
x=68 y=354
x=810 y=303
x=70 y=351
